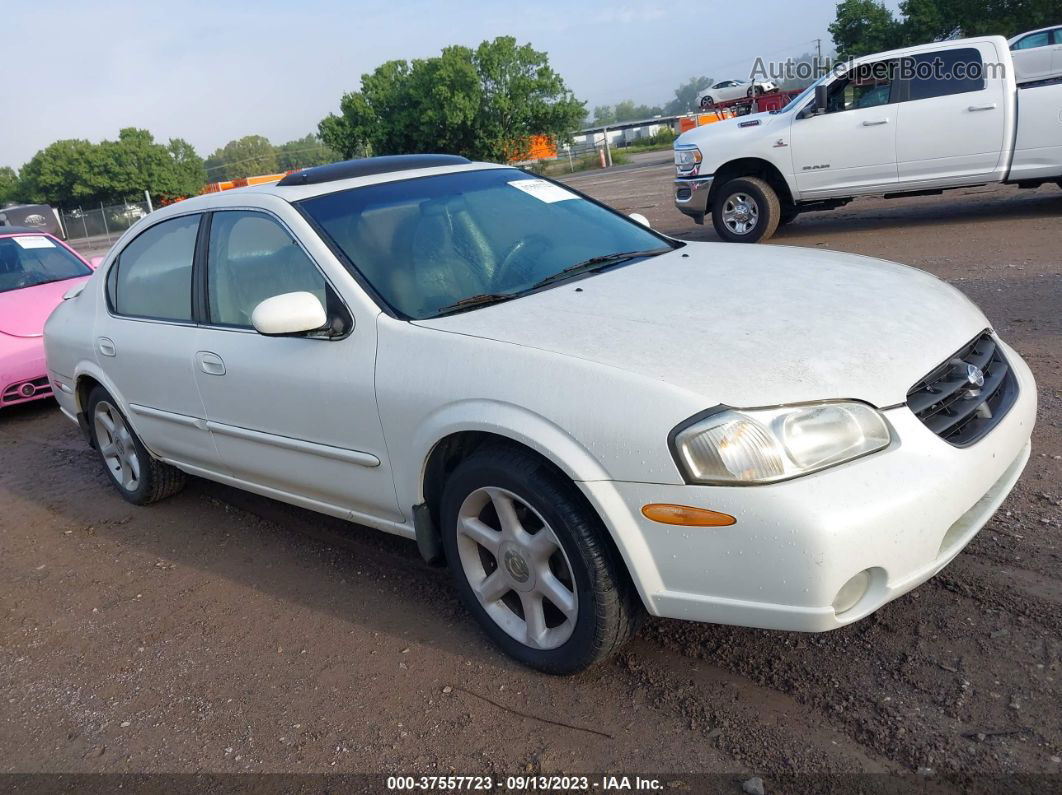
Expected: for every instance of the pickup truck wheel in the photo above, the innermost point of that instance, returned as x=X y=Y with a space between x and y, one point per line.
x=532 y=564
x=139 y=478
x=746 y=210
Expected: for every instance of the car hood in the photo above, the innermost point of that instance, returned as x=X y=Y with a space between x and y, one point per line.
x=23 y=311
x=747 y=325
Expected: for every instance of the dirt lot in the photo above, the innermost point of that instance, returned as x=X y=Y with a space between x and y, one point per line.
x=223 y=632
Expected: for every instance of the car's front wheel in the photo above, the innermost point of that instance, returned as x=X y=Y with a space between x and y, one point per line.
x=533 y=563
x=745 y=210
x=139 y=478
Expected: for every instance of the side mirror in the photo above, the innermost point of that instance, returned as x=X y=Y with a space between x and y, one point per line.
x=290 y=313
x=95 y=262
x=822 y=96
x=640 y=219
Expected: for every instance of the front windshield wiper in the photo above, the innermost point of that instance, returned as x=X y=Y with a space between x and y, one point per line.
x=597 y=262
x=480 y=299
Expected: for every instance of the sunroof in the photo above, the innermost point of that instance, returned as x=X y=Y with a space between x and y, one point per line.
x=367 y=166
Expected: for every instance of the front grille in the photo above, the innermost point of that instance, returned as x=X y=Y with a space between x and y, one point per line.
x=13 y=393
x=949 y=401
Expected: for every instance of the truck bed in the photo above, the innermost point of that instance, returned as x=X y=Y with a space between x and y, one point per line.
x=1038 y=142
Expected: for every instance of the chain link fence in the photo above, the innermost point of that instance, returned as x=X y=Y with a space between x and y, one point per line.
x=105 y=223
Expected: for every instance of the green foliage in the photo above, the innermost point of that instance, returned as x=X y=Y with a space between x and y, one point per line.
x=304 y=153
x=8 y=185
x=245 y=157
x=482 y=103
x=687 y=96
x=863 y=27
x=624 y=111
x=80 y=172
x=866 y=26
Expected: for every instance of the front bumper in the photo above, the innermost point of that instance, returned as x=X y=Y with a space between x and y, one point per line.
x=691 y=196
x=902 y=514
x=23 y=373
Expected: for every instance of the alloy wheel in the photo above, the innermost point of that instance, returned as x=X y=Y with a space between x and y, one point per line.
x=517 y=568
x=741 y=213
x=116 y=445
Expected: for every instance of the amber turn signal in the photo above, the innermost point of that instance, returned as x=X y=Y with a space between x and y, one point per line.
x=686 y=516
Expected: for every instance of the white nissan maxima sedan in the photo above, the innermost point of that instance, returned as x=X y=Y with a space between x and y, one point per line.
x=585 y=419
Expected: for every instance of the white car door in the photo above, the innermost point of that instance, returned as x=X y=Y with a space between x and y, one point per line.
x=145 y=338
x=292 y=414
x=1033 y=55
x=852 y=146
x=954 y=117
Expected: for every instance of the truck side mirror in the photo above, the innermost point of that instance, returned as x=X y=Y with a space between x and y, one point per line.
x=822 y=96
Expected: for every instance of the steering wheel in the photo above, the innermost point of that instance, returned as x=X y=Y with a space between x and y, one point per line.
x=518 y=250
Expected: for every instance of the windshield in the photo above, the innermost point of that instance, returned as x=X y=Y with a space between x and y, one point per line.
x=428 y=245
x=795 y=101
x=27 y=260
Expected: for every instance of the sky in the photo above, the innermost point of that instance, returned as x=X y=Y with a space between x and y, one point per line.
x=210 y=72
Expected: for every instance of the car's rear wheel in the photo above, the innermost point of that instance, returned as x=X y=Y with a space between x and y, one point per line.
x=533 y=563
x=707 y=102
x=745 y=210
x=139 y=478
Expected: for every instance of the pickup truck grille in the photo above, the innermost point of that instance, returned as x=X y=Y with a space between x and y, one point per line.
x=950 y=401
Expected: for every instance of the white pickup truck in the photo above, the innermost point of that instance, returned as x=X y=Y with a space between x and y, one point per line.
x=915 y=121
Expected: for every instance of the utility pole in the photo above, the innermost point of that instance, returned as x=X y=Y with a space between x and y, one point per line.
x=818 y=58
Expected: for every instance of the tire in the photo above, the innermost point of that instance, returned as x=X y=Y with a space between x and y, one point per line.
x=548 y=520
x=138 y=477
x=745 y=210
x=707 y=103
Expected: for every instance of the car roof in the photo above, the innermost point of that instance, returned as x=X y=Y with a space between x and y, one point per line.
x=1013 y=39
x=367 y=173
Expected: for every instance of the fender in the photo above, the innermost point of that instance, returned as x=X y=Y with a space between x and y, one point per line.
x=92 y=370
x=555 y=445
x=503 y=419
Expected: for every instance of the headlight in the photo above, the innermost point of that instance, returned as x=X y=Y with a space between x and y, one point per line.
x=765 y=445
x=687 y=160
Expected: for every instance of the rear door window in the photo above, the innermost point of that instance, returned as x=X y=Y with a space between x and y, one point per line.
x=947 y=72
x=152 y=277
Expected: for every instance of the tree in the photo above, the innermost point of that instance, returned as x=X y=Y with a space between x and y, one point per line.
x=866 y=26
x=244 y=157
x=628 y=111
x=80 y=172
x=9 y=187
x=687 y=96
x=189 y=172
x=604 y=114
x=484 y=103
x=304 y=153
x=63 y=172
x=863 y=27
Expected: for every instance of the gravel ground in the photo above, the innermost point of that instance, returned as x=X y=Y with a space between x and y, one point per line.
x=223 y=632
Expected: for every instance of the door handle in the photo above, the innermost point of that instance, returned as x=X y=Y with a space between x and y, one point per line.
x=975 y=108
x=875 y=122
x=210 y=363
x=105 y=345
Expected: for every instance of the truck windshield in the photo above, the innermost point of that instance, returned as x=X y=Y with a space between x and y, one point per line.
x=794 y=103
x=434 y=245
x=28 y=260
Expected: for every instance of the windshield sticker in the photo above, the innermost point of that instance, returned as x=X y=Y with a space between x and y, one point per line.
x=542 y=190
x=34 y=241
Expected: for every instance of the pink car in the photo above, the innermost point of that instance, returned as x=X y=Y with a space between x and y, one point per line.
x=36 y=270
